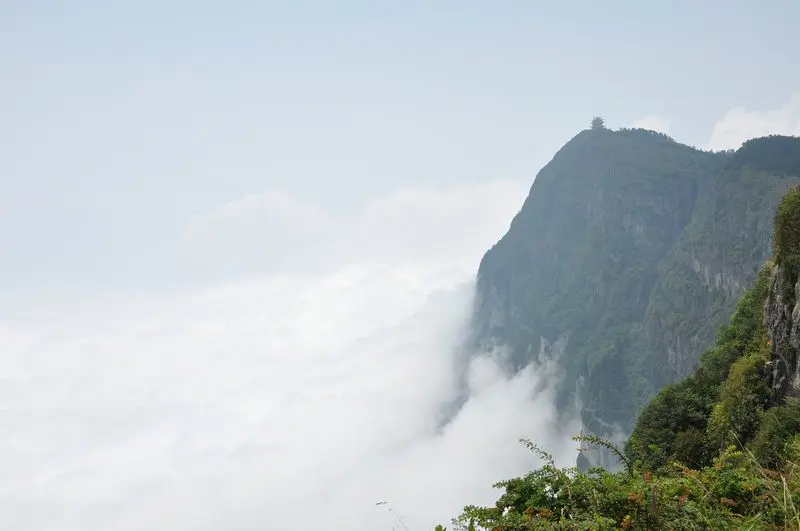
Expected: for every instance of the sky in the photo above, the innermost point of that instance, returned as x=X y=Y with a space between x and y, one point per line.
x=122 y=121
x=239 y=239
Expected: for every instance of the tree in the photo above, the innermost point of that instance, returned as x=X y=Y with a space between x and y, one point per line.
x=598 y=123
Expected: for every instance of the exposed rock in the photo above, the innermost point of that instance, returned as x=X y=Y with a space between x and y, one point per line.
x=782 y=318
x=627 y=255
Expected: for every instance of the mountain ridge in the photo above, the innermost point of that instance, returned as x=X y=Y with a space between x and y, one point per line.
x=716 y=448
x=627 y=255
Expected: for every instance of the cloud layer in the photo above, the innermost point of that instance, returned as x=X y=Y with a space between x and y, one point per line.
x=274 y=232
x=297 y=399
x=305 y=383
x=740 y=124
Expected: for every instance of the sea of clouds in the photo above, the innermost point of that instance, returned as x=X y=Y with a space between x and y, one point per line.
x=297 y=393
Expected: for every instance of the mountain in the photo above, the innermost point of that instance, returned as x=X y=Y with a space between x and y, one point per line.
x=628 y=254
x=720 y=448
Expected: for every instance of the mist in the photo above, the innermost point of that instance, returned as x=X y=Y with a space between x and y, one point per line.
x=239 y=243
x=302 y=394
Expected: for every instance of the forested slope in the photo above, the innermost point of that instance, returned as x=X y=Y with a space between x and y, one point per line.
x=720 y=449
x=625 y=259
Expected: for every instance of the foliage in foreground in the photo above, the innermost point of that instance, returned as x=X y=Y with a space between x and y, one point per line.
x=734 y=492
x=709 y=452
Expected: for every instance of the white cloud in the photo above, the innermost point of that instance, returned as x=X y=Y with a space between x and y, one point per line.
x=653 y=123
x=740 y=124
x=281 y=208
x=273 y=232
x=293 y=399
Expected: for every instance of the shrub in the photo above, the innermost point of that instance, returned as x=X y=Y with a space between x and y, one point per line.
x=787 y=229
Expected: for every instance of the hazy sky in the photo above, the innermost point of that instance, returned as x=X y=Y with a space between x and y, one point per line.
x=238 y=239
x=119 y=122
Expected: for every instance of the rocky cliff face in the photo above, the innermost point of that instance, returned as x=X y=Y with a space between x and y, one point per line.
x=782 y=307
x=628 y=253
x=782 y=318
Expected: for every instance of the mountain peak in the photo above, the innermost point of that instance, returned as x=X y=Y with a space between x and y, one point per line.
x=773 y=153
x=629 y=252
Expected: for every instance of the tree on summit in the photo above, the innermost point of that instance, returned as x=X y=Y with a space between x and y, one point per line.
x=598 y=123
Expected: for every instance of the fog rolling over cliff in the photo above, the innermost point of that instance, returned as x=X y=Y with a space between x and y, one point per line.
x=365 y=361
x=628 y=254
x=281 y=398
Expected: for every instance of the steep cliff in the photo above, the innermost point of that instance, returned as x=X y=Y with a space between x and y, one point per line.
x=627 y=255
x=744 y=391
x=718 y=450
x=718 y=255
x=782 y=308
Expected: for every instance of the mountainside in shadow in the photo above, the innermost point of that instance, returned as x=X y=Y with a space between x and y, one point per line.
x=628 y=254
x=719 y=449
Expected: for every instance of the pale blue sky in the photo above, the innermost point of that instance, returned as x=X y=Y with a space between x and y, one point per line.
x=120 y=123
x=359 y=157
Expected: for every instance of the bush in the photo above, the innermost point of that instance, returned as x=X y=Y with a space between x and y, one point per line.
x=777 y=428
x=732 y=493
x=689 y=447
x=787 y=230
x=737 y=416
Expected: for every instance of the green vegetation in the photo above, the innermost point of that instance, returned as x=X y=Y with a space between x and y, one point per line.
x=720 y=403
x=773 y=153
x=716 y=449
x=787 y=233
x=708 y=452
x=635 y=249
x=733 y=492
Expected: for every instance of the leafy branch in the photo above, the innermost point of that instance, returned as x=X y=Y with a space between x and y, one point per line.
x=594 y=439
